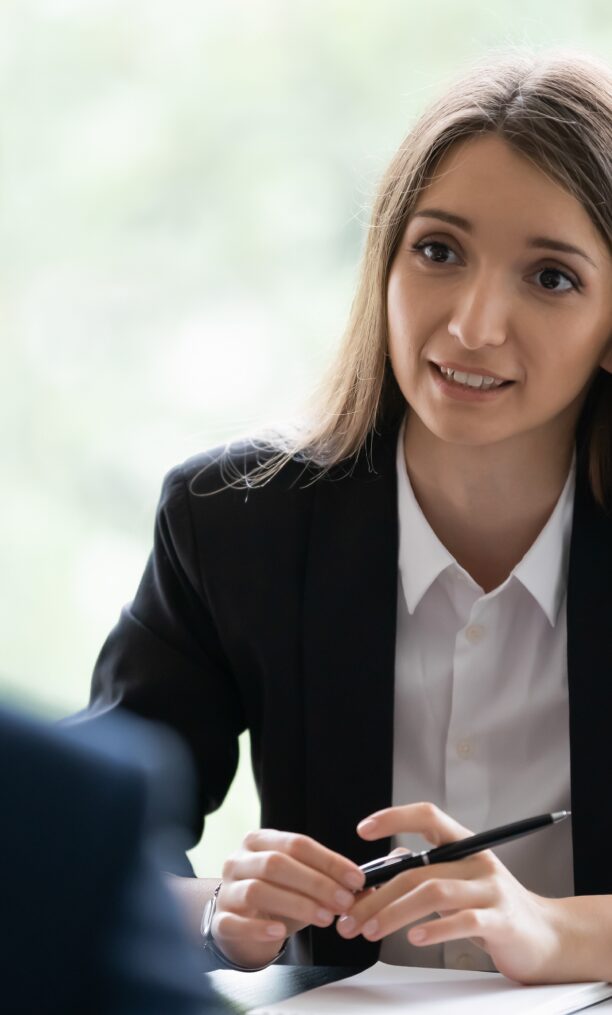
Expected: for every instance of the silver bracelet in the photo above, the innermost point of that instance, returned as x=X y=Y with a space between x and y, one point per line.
x=210 y=944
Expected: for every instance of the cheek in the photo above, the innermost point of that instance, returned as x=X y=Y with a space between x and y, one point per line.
x=401 y=354
x=399 y=322
x=406 y=337
x=413 y=318
x=566 y=365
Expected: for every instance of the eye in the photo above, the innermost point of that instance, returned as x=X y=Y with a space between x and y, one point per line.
x=437 y=252
x=433 y=250
x=551 y=275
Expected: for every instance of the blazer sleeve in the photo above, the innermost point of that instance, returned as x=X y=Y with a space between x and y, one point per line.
x=164 y=659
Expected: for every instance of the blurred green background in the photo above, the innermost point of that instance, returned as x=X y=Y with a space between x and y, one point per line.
x=184 y=196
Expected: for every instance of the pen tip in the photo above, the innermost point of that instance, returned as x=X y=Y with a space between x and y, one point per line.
x=560 y=815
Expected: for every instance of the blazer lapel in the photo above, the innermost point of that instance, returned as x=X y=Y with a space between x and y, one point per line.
x=589 y=652
x=349 y=662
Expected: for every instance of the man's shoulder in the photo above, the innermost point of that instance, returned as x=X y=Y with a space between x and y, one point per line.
x=79 y=881
x=22 y=736
x=55 y=788
x=72 y=772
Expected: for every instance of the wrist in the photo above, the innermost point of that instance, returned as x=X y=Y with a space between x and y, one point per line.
x=583 y=925
x=553 y=941
x=249 y=958
x=251 y=955
x=191 y=895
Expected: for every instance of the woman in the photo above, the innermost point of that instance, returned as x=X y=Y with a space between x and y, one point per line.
x=410 y=601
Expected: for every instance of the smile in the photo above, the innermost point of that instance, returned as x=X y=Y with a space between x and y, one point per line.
x=463 y=386
x=471 y=380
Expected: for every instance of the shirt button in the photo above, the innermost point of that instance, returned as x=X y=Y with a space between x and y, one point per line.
x=465 y=961
x=474 y=633
x=464 y=749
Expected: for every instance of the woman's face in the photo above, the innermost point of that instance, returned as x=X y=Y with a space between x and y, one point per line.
x=493 y=292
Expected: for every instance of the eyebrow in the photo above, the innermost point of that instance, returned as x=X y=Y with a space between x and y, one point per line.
x=545 y=242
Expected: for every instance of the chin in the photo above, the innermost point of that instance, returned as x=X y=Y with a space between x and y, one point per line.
x=467 y=437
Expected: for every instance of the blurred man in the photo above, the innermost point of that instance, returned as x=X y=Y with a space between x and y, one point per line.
x=87 y=925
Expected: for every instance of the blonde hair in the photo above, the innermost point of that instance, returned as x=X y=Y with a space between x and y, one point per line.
x=553 y=107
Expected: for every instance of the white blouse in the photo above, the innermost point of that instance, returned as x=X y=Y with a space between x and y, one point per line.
x=481 y=702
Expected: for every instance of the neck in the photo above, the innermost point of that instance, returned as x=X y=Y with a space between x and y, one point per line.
x=487 y=503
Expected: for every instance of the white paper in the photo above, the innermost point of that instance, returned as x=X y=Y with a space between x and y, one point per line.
x=389 y=989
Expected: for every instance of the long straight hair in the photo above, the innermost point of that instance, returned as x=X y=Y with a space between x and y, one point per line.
x=552 y=107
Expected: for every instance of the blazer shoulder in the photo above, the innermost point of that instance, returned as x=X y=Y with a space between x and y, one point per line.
x=230 y=468
x=212 y=496
x=223 y=476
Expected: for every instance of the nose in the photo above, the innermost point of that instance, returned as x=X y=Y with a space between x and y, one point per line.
x=480 y=314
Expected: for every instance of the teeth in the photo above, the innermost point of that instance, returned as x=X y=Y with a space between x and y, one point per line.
x=471 y=380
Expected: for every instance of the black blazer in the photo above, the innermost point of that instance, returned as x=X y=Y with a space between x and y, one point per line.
x=275 y=609
x=87 y=924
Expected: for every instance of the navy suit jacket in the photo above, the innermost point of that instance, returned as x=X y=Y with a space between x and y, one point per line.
x=87 y=925
x=274 y=609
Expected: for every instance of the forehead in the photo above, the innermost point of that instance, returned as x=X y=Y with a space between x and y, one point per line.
x=486 y=181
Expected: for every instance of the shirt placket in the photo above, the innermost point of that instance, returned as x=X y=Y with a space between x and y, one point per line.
x=467 y=788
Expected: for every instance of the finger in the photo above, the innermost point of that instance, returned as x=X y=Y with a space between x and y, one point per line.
x=250 y=897
x=423 y=818
x=233 y=927
x=365 y=893
x=404 y=887
x=284 y=871
x=469 y=923
x=435 y=896
x=478 y=866
x=309 y=852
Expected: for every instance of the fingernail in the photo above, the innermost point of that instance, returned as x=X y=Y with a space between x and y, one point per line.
x=345 y=924
x=416 y=934
x=354 y=881
x=344 y=899
x=369 y=928
x=324 y=915
x=366 y=826
x=275 y=930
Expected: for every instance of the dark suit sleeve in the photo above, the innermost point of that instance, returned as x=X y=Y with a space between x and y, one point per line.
x=164 y=659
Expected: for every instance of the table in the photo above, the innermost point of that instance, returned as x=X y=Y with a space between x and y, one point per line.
x=248 y=990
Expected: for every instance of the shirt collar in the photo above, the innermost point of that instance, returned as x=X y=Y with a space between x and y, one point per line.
x=543 y=569
x=422 y=557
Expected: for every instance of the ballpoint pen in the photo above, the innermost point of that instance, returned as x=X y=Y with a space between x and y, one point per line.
x=386 y=867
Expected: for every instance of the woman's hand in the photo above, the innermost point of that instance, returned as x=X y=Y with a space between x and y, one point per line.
x=274 y=885
x=476 y=898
